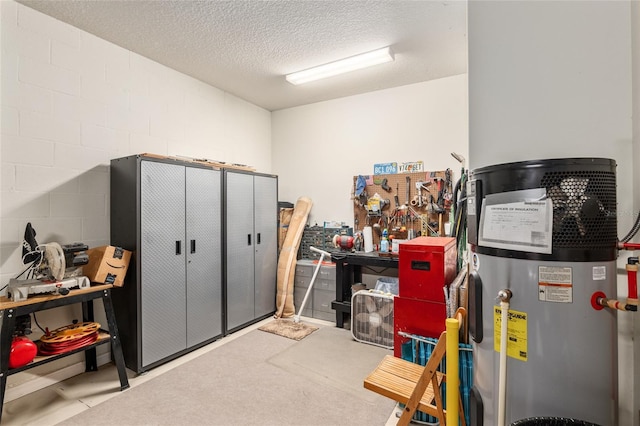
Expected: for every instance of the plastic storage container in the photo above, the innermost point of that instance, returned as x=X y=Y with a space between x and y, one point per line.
x=388 y=285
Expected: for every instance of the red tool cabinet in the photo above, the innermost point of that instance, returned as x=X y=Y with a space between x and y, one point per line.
x=425 y=266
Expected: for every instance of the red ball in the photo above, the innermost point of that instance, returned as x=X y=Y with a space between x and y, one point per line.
x=23 y=351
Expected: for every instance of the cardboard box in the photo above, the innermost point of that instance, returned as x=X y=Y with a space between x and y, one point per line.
x=107 y=265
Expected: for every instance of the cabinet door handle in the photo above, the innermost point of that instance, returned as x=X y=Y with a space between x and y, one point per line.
x=258 y=242
x=178 y=247
x=421 y=265
x=248 y=239
x=193 y=246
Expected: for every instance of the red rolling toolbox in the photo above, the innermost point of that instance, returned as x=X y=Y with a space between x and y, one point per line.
x=425 y=266
x=414 y=316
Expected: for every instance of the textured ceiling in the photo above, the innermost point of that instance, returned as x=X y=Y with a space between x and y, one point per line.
x=246 y=47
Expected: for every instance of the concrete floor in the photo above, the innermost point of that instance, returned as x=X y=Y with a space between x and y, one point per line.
x=63 y=400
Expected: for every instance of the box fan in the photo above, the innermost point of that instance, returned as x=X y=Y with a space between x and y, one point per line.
x=372 y=318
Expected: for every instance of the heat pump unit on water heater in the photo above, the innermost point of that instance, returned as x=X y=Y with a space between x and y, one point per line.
x=543 y=236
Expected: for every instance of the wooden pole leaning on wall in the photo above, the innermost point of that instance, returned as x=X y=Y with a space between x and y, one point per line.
x=453 y=378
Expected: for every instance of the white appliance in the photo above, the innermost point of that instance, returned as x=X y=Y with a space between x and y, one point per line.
x=546 y=231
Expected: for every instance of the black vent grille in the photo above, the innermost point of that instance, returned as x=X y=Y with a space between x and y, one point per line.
x=584 y=208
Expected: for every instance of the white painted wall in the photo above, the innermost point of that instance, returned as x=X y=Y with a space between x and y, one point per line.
x=635 y=49
x=70 y=103
x=319 y=148
x=554 y=79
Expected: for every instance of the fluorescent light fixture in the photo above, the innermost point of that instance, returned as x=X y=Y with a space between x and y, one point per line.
x=342 y=66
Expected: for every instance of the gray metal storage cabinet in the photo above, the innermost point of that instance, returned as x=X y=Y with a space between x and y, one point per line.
x=322 y=294
x=251 y=230
x=167 y=212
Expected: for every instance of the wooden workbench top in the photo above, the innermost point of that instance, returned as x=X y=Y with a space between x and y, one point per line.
x=6 y=303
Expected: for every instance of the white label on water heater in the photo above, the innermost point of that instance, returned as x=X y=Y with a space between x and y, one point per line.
x=515 y=221
x=555 y=284
x=599 y=273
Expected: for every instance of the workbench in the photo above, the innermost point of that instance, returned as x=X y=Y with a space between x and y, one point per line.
x=10 y=310
x=349 y=271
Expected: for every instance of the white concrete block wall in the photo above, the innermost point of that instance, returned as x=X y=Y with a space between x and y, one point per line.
x=70 y=102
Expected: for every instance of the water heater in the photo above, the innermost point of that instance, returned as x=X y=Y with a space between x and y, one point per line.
x=546 y=231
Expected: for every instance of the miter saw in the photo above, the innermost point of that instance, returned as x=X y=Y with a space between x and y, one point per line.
x=47 y=266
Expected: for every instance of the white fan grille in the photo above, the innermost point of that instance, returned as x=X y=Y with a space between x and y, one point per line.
x=372 y=318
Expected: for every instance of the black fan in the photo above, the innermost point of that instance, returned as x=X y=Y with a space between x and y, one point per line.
x=574 y=205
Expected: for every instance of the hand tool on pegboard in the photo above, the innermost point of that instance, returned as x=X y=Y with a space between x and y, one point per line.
x=426 y=228
x=432 y=206
x=384 y=183
x=418 y=198
x=395 y=197
x=440 y=204
x=448 y=189
x=440 y=182
x=408 y=200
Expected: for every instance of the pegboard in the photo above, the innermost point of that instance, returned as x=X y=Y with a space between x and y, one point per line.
x=404 y=207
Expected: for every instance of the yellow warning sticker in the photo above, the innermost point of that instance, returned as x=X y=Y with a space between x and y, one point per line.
x=516 y=333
